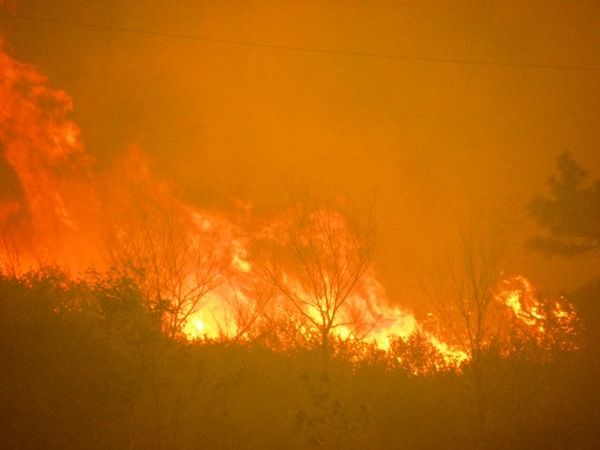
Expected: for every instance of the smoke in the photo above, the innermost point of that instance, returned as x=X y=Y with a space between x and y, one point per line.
x=64 y=210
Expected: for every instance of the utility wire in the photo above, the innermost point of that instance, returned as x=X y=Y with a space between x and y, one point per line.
x=299 y=48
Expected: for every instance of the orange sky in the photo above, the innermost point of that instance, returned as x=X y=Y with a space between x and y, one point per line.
x=440 y=144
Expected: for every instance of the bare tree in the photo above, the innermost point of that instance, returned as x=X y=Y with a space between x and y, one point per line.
x=238 y=309
x=174 y=256
x=463 y=297
x=319 y=260
x=473 y=285
x=250 y=307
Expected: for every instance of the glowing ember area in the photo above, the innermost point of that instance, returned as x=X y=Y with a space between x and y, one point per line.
x=302 y=276
x=551 y=324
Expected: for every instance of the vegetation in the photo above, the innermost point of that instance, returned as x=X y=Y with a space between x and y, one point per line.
x=571 y=214
x=85 y=365
x=89 y=362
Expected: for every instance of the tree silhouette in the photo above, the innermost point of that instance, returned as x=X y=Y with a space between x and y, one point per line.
x=174 y=260
x=318 y=265
x=463 y=298
x=571 y=214
x=571 y=217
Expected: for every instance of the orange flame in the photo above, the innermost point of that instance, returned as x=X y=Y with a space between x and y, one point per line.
x=547 y=323
x=196 y=264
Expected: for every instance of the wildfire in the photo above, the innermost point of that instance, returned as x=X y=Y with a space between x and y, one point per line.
x=548 y=323
x=311 y=273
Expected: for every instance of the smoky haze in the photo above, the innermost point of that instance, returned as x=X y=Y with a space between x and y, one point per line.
x=435 y=145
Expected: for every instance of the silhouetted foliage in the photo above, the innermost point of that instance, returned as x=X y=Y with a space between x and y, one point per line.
x=85 y=365
x=571 y=214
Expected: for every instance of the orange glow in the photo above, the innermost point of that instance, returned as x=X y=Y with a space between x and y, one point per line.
x=200 y=262
x=548 y=323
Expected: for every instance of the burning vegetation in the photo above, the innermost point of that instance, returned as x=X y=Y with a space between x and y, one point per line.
x=300 y=276
x=130 y=318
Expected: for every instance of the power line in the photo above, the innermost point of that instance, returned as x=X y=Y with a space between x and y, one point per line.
x=300 y=48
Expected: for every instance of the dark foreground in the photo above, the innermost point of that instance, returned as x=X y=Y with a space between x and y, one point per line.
x=87 y=367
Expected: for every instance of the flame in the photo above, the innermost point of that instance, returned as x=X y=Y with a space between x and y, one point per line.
x=198 y=265
x=548 y=323
x=42 y=146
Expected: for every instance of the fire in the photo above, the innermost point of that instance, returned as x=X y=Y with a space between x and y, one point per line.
x=42 y=146
x=548 y=323
x=522 y=301
x=283 y=279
